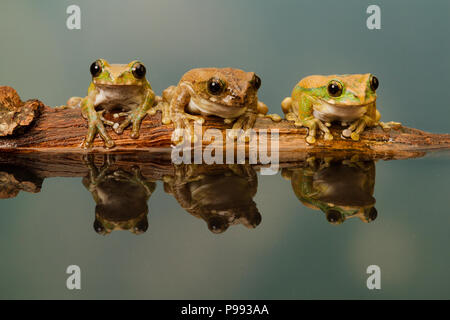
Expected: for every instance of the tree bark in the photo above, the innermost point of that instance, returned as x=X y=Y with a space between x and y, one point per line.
x=63 y=131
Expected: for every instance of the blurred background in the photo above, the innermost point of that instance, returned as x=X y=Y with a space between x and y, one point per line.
x=294 y=252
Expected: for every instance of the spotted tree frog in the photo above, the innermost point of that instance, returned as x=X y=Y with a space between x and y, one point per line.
x=121 y=88
x=227 y=93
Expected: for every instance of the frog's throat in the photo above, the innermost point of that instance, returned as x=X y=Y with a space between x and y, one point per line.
x=330 y=112
x=206 y=107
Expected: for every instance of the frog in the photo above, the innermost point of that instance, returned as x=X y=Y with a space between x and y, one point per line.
x=221 y=195
x=319 y=100
x=121 y=194
x=342 y=189
x=226 y=93
x=120 y=88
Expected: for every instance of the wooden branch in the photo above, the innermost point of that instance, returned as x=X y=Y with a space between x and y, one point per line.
x=63 y=131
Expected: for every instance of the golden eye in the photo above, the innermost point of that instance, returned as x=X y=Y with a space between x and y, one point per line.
x=215 y=86
x=139 y=70
x=374 y=83
x=334 y=88
x=96 y=68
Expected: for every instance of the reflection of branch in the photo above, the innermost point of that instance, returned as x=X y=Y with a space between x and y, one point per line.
x=63 y=131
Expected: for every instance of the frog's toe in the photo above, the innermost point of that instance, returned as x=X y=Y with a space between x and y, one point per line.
x=354 y=136
x=310 y=139
x=328 y=136
x=117 y=128
x=109 y=144
x=347 y=133
x=177 y=135
x=134 y=135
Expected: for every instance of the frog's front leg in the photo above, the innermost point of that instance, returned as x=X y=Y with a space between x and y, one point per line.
x=301 y=112
x=182 y=119
x=245 y=121
x=136 y=116
x=95 y=124
x=369 y=119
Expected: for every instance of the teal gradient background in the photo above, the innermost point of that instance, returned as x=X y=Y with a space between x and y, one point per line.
x=294 y=253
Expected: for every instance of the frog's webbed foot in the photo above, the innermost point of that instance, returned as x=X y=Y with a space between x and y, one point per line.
x=273 y=116
x=312 y=124
x=389 y=125
x=184 y=128
x=358 y=126
x=164 y=107
x=244 y=122
x=135 y=118
x=96 y=126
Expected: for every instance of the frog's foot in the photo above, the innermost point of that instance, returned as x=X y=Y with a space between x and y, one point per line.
x=290 y=116
x=273 y=116
x=389 y=125
x=184 y=128
x=105 y=121
x=135 y=118
x=164 y=107
x=244 y=122
x=312 y=125
x=358 y=126
x=286 y=105
x=94 y=127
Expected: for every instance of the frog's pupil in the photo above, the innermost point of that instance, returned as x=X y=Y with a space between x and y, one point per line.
x=141 y=226
x=96 y=69
x=139 y=71
x=333 y=216
x=374 y=83
x=257 y=82
x=98 y=226
x=373 y=214
x=215 y=86
x=334 y=89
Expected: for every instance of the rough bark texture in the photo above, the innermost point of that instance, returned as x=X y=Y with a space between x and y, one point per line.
x=63 y=131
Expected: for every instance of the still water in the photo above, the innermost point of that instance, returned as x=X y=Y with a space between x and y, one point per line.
x=282 y=245
x=142 y=229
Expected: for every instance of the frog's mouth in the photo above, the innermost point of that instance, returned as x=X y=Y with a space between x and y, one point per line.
x=106 y=83
x=207 y=107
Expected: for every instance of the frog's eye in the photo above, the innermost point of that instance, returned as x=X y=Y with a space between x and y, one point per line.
x=96 y=68
x=139 y=70
x=374 y=83
x=256 y=82
x=217 y=224
x=373 y=214
x=141 y=226
x=215 y=86
x=98 y=227
x=334 y=216
x=334 y=88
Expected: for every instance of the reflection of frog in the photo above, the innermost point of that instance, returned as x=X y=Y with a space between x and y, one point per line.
x=115 y=87
x=340 y=189
x=319 y=100
x=121 y=197
x=221 y=195
x=226 y=93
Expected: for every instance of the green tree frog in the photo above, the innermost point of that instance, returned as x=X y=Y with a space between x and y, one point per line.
x=317 y=101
